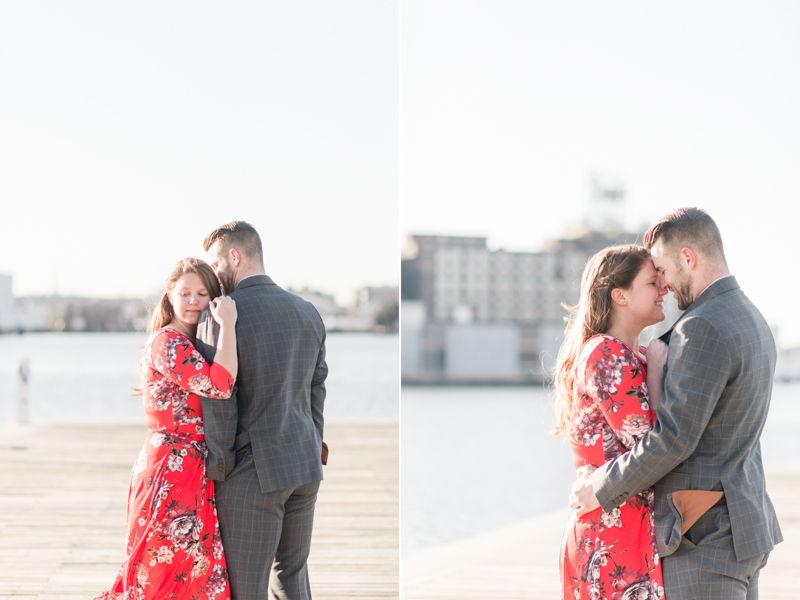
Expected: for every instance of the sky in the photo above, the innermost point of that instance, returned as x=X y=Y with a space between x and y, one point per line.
x=129 y=131
x=508 y=108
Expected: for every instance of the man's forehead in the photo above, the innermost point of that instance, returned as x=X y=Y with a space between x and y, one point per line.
x=658 y=254
x=658 y=249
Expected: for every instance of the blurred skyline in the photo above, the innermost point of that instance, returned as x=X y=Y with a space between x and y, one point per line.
x=508 y=109
x=129 y=131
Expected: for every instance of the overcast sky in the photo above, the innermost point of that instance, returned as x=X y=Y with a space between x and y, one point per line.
x=508 y=107
x=128 y=131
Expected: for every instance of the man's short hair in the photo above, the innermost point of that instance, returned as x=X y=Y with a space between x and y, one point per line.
x=239 y=235
x=690 y=227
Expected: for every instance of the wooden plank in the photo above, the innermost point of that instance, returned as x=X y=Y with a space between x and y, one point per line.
x=65 y=485
x=520 y=562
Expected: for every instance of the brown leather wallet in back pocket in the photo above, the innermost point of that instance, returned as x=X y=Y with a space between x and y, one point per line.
x=692 y=504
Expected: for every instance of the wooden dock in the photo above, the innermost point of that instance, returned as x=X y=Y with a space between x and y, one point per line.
x=520 y=562
x=63 y=494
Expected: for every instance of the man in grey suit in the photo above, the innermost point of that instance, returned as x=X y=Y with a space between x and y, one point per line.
x=265 y=443
x=717 y=387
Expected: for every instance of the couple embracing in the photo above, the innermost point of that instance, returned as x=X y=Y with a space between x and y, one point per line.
x=671 y=499
x=222 y=497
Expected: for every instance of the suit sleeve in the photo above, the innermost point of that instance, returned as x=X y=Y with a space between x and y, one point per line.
x=207 y=336
x=318 y=389
x=220 y=419
x=698 y=368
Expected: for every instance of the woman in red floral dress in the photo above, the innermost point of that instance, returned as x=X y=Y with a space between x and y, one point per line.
x=173 y=545
x=606 y=402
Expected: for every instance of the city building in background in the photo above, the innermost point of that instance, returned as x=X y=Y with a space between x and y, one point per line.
x=17 y=315
x=474 y=315
x=73 y=313
x=471 y=314
x=373 y=309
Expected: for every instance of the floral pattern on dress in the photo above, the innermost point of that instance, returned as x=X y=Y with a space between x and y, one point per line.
x=610 y=555
x=173 y=545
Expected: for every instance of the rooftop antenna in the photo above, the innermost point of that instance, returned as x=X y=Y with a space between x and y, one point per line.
x=606 y=203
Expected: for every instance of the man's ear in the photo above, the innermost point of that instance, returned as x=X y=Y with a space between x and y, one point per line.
x=236 y=256
x=618 y=296
x=688 y=258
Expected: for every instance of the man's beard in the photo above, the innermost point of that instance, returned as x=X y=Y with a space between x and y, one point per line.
x=683 y=296
x=683 y=293
x=228 y=281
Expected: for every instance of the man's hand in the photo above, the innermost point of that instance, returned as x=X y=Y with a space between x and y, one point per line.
x=582 y=498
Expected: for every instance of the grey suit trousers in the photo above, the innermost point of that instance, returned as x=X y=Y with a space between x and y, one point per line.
x=705 y=567
x=258 y=526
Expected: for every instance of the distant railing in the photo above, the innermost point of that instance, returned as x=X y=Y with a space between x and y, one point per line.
x=22 y=405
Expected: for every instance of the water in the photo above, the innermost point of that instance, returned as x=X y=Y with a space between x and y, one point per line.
x=88 y=376
x=473 y=459
x=478 y=458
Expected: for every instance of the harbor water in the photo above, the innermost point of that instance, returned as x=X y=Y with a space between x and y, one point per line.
x=89 y=376
x=478 y=458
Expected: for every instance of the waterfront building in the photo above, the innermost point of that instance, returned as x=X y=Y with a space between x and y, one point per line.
x=17 y=315
x=373 y=309
x=74 y=313
x=474 y=314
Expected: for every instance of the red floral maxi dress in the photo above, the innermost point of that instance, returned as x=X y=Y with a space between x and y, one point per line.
x=173 y=545
x=610 y=555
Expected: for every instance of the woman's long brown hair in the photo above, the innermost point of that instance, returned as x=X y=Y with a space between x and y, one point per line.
x=614 y=267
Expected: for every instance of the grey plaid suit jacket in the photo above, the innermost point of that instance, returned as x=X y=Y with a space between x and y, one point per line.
x=717 y=388
x=279 y=394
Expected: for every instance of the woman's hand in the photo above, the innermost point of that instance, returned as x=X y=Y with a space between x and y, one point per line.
x=582 y=498
x=223 y=309
x=656 y=359
x=657 y=355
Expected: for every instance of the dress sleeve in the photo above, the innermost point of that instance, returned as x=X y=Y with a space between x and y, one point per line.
x=615 y=381
x=175 y=357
